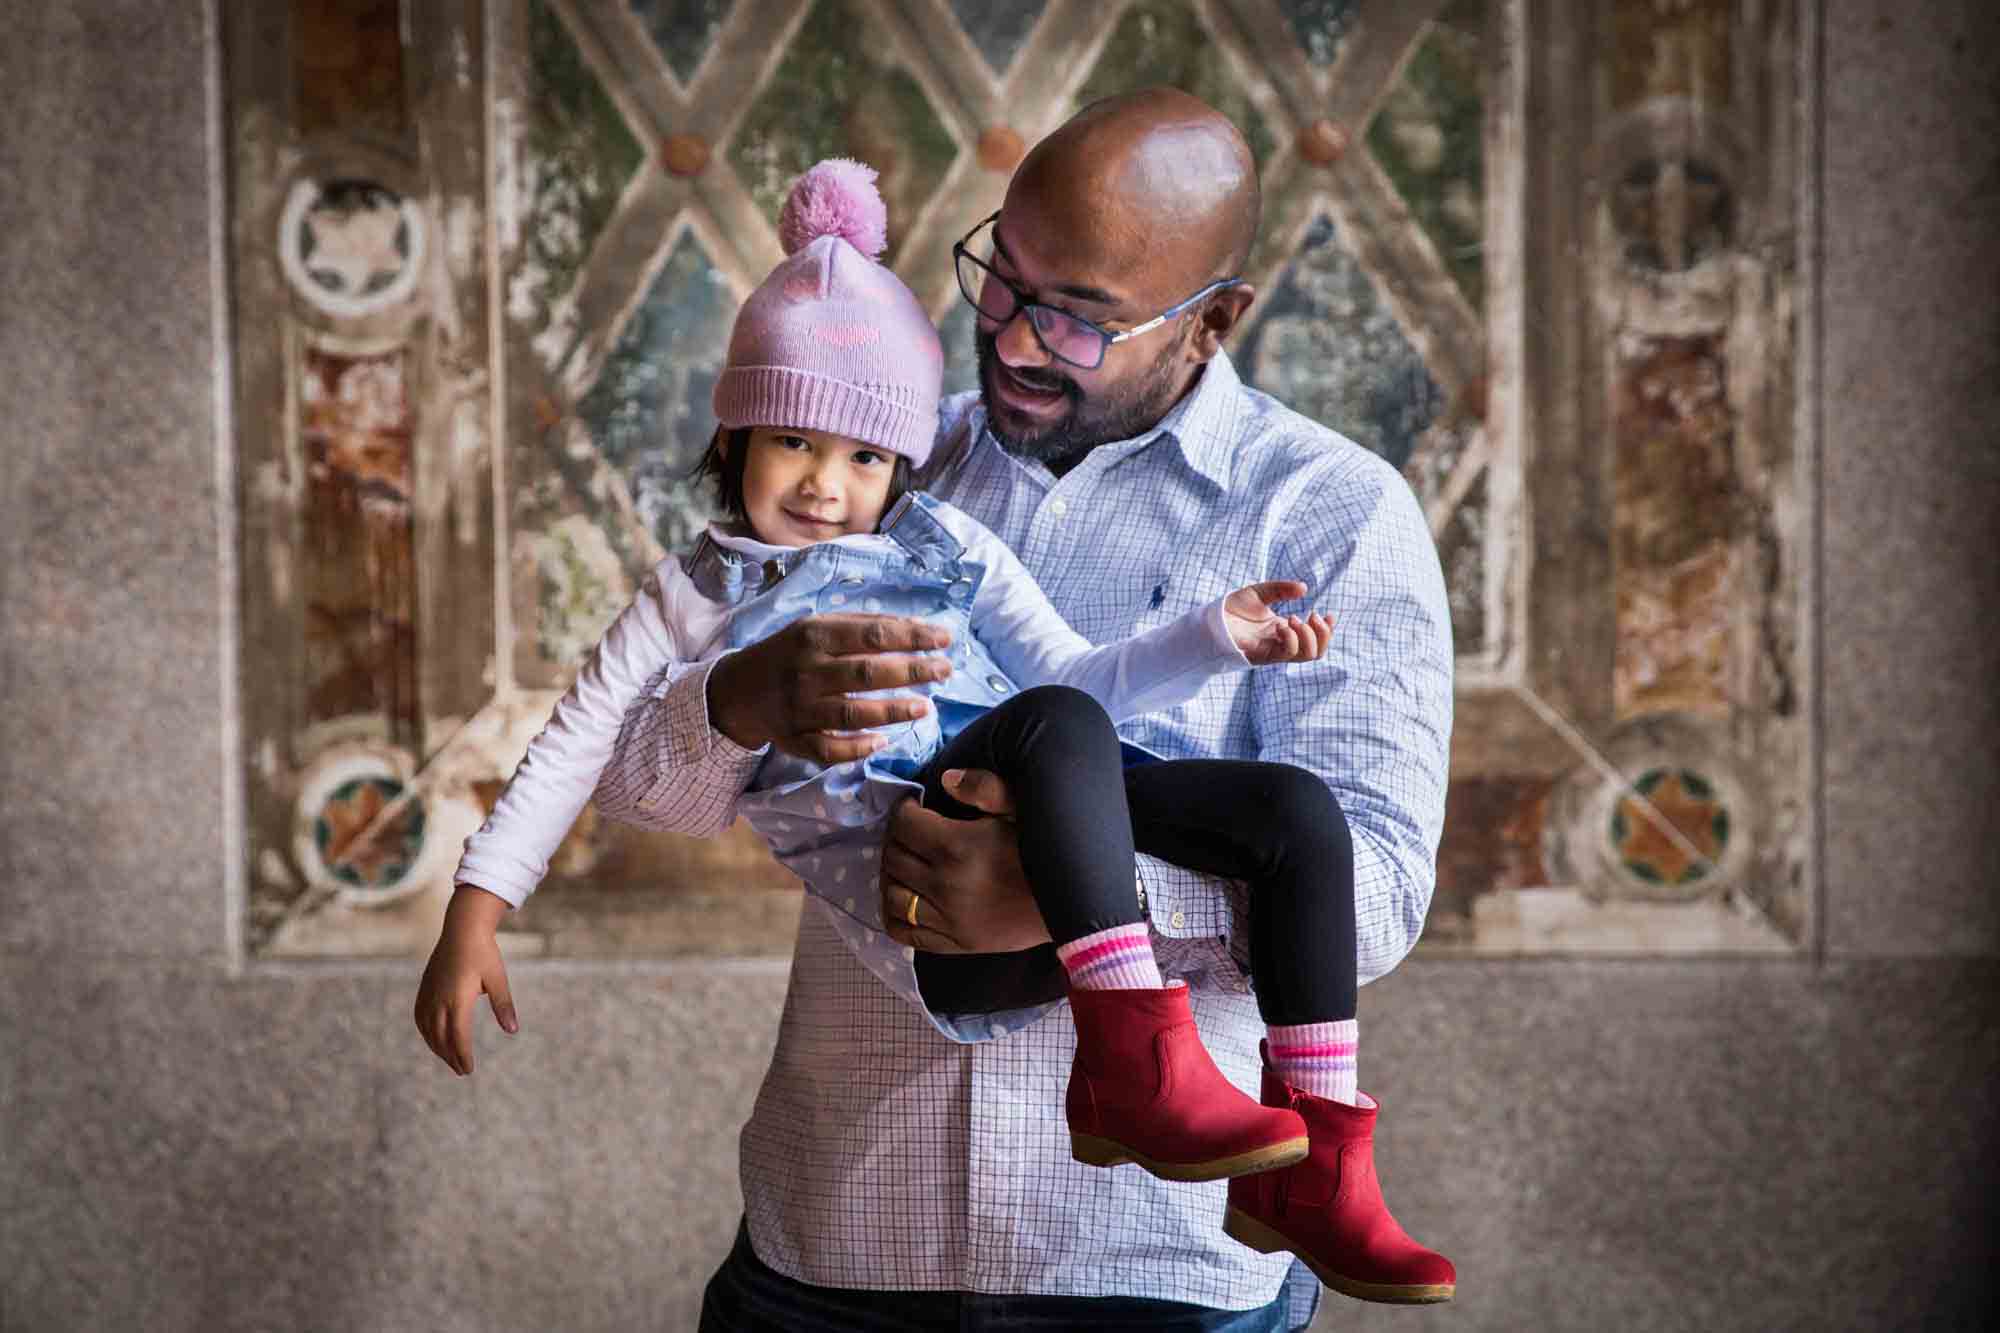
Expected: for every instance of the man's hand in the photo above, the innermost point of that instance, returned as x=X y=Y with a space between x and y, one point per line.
x=965 y=873
x=465 y=965
x=795 y=689
x=1266 y=637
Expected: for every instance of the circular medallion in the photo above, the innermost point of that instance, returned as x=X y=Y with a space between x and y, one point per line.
x=1678 y=826
x=355 y=829
x=350 y=247
x=1671 y=829
x=1679 y=188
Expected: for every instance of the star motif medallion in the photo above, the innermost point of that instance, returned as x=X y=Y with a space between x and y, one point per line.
x=1686 y=801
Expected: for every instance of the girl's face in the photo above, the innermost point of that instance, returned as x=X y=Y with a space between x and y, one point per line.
x=806 y=486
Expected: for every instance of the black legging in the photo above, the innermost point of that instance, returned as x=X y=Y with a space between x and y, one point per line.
x=1081 y=814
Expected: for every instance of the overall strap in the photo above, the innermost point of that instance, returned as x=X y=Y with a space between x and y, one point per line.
x=913 y=524
x=725 y=576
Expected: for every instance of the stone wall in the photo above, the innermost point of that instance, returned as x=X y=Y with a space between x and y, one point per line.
x=1601 y=1145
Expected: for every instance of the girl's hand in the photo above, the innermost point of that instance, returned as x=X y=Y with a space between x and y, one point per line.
x=1263 y=635
x=465 y=964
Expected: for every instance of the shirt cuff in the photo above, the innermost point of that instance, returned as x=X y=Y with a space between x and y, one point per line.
x=508 y=890
x=1216 y=621
x=1183 y=903
x=894 y=965
x=689 y=740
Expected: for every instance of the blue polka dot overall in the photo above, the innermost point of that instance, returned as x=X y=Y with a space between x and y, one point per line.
x=826 y=824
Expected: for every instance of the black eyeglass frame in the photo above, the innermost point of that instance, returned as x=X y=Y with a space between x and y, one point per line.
x=1023 y=301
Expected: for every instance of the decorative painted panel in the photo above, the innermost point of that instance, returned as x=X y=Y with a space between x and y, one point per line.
x=1158 y=41
x=1320 y=25
x=1427 y=136
x=347 y=57
x=1555 y=296
x=683 y=30
x=841 y=92
x=998 y=27
x=576 y=160
x=357 y=580
x=1328 y=345
x=648 y=413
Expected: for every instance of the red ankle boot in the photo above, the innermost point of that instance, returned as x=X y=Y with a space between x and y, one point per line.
x=1328 y=1210
x=1143 y=1089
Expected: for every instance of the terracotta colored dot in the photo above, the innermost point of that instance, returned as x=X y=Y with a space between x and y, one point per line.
x=1001 y=149
x=684 y=154
x=548 y=413
x=1323 y=143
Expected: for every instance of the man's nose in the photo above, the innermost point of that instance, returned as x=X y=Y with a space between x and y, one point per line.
x=1017 y=343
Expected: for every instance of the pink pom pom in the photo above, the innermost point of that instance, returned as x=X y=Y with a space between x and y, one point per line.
x=836 y=197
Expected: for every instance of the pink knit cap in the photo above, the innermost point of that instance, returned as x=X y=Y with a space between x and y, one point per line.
x=834 y=341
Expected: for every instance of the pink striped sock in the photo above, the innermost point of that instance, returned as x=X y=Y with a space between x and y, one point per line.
x=1318 y=1058
x=1120 y=958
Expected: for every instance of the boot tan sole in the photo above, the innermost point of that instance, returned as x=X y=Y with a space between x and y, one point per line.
x=1265 y=1240
x=1094 y=1151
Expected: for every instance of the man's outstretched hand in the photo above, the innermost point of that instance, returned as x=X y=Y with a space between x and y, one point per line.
x=795 y=689
x=966 y=874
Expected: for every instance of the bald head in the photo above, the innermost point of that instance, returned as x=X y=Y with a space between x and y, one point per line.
x=1154 y=175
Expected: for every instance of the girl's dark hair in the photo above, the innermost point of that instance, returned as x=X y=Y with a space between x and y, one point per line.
x=722 y=465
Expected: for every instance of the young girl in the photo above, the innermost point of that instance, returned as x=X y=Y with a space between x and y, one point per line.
x=828 y=400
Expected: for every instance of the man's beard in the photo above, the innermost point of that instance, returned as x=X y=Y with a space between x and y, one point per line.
x=1092 y=419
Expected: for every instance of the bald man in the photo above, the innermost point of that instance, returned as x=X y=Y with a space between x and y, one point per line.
x=908 y=1164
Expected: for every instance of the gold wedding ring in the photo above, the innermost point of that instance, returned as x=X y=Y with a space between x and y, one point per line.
x=911 y=915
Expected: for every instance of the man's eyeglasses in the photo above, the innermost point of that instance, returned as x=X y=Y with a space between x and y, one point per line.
x=1068 y=338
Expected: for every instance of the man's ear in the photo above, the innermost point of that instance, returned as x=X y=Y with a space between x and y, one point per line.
x=1219 y=316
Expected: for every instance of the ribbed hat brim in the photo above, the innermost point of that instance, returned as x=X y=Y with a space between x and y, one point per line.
x=787 y=396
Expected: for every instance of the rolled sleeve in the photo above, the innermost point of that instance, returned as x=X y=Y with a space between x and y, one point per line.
x=671 y=770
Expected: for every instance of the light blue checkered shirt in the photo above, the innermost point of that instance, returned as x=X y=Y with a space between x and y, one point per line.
x=880 y=1154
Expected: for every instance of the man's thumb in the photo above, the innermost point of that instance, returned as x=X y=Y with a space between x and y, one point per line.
x=981 y=790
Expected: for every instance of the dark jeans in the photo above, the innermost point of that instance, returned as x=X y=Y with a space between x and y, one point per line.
x=1081 y=815
x=746 y=1296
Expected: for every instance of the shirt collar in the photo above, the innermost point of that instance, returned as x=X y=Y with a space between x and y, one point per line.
x=743 y=544
x=1202 y=424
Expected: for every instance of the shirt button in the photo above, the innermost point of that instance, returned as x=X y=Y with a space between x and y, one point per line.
x=853 y=580
x=1058 y=507
x=999 y=684
x=1180 y=920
